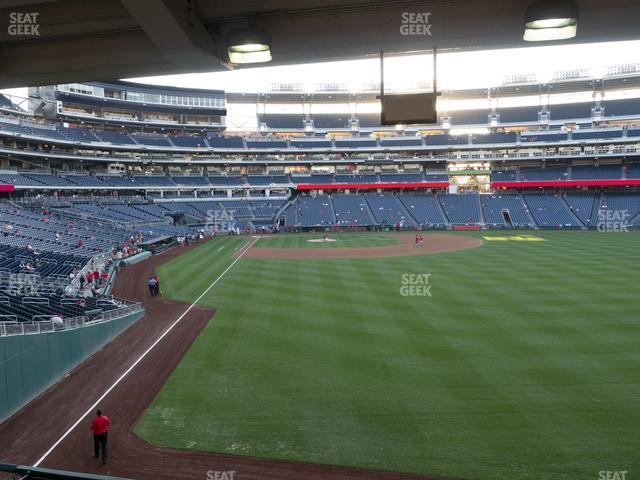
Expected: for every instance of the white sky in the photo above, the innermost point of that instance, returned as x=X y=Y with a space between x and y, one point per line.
x=459 y=70
x=455 y=70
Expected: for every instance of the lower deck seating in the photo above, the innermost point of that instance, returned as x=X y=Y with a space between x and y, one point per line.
x=352 y=210
x=389 y=210
x=620 y=207
x=582 y=205
x=500 y=210
x=461 y=209
x=551 y=211
x=505 y=211
x=310 y=212
x=42 y=308
x=424 y=209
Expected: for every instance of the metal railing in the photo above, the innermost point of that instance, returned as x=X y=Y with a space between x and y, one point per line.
x=27 y=328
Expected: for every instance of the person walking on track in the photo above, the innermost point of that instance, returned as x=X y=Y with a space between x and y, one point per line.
x=100 y=426
x=153 y=285
x=155 y=277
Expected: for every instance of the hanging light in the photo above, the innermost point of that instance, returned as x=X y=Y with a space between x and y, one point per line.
x=248 y=45
x=550 y=20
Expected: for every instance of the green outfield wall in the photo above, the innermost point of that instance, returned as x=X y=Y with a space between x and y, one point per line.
x=31 y=363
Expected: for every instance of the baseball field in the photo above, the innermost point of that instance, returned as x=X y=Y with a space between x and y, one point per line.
x=510 y=357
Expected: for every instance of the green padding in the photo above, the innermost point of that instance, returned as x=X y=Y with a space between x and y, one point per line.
x=31 y=363
x=43 y=367
x=28 y=365
x=65 y=349
x=4 y=402
x=13 y=372
x=55 y=358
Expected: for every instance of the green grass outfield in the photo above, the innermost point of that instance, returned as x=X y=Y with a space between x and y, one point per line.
x=524 y=363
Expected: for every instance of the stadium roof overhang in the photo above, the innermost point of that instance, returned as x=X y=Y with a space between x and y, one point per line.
x=77 y=40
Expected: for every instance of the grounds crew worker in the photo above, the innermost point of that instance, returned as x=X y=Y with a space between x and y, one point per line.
x=99 y=426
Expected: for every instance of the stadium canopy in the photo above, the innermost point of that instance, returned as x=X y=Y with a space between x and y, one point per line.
x=78 y=40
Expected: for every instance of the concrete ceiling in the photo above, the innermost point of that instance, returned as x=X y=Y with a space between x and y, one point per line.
x=81 y=40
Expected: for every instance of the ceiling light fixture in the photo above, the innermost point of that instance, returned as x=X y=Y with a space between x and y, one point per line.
x=550 y=20
x=248 y=45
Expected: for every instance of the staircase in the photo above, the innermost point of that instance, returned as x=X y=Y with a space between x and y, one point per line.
x=288 y=204
x=442 y=212
x=596 y=205
x=482 y=221
x=373 y=217
x=573 y=215
x=531 y=219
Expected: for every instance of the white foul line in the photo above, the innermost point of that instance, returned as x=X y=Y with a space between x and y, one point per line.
x=242 y=251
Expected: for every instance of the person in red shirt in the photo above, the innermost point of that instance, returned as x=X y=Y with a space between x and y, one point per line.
x=99 y=426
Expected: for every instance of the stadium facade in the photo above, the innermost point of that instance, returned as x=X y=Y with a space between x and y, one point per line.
x=525 y=154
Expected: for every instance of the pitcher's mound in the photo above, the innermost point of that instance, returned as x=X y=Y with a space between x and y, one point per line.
x=433 y=243
x=321 y=240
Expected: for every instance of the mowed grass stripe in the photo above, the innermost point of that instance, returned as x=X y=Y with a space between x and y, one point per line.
x=523 y=364
x=186 y=279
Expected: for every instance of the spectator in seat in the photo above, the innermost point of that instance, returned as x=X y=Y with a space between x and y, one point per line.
x=57 y=321
x=114 y=301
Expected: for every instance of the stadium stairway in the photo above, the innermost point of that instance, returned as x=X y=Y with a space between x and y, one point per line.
x=482 y=221
x=442 y=211
x=393 y=208
x=406 y=211
x=573 y=214
x=366 y=203
x=552 y=211
x=333 y=210
x=283 y=208
x=529 y=215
